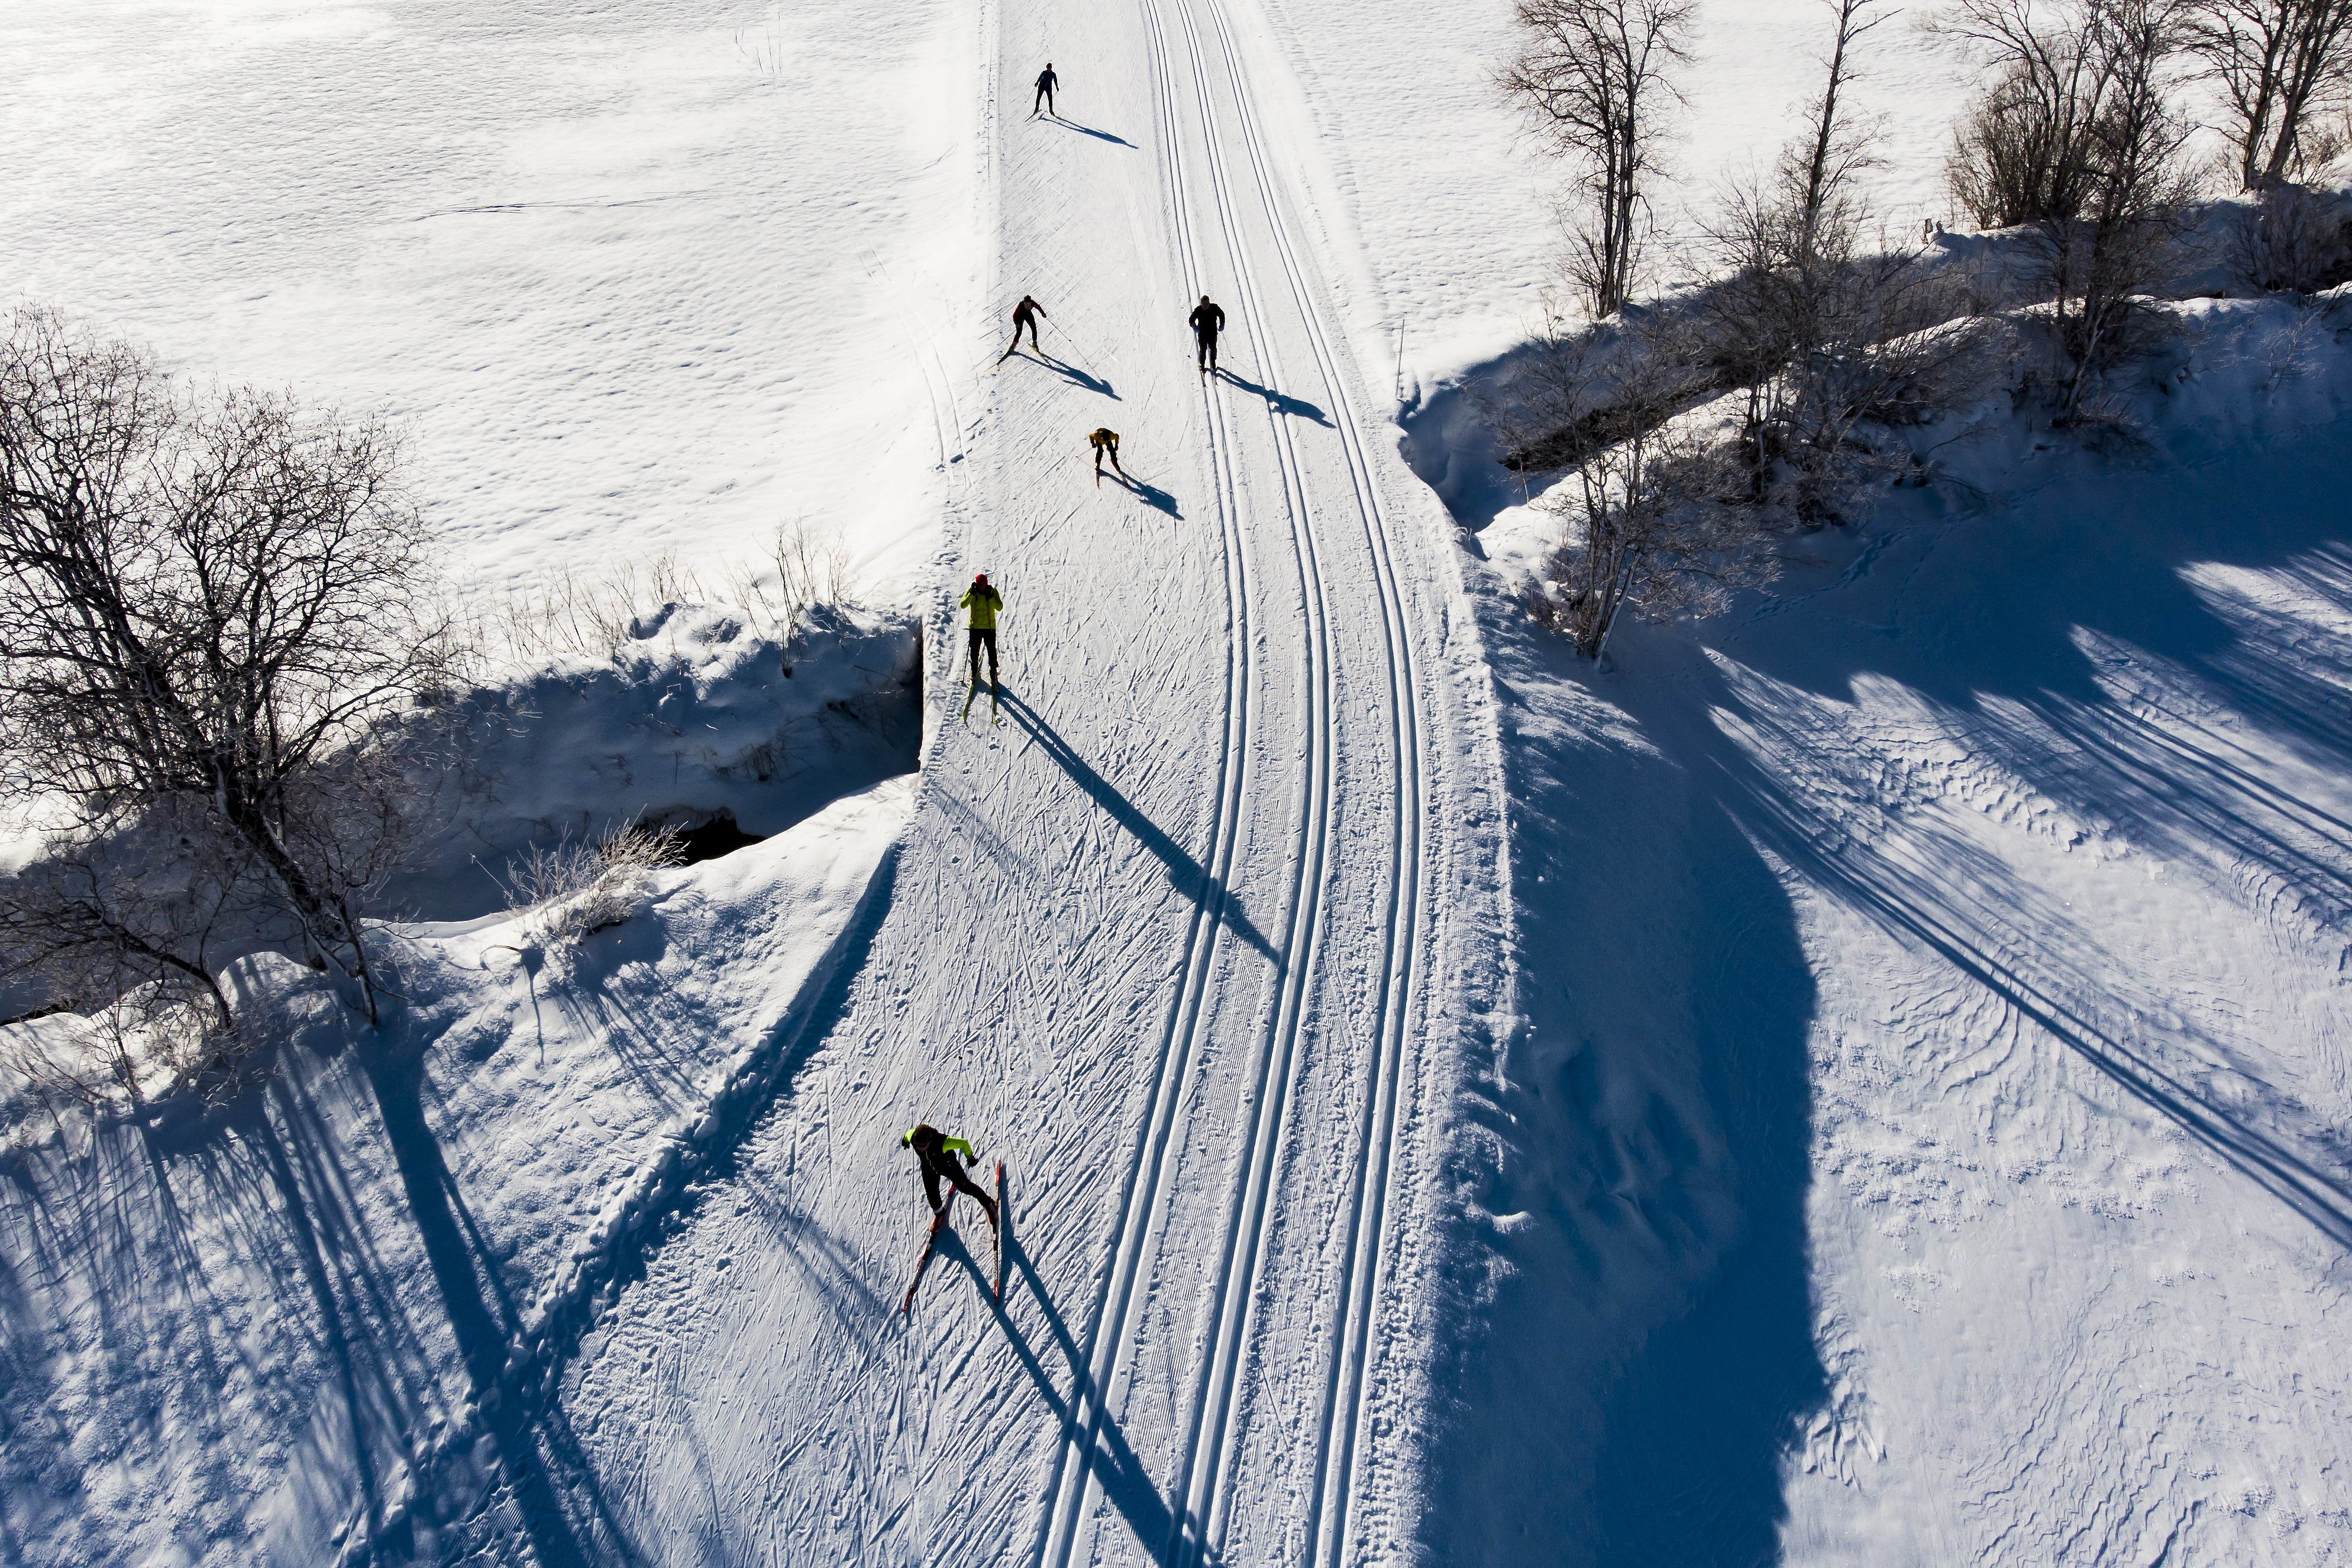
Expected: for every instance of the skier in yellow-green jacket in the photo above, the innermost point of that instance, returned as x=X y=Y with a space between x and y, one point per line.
x=983 y=601
x=939 y=1155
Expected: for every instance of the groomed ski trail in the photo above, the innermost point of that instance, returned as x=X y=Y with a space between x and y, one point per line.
x=1164 y=938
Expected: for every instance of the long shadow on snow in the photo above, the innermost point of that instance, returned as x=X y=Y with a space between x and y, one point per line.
x=540 y=1417
x=2069 y=637
x=1150 y=495
x=1090 y=131
x=1076 y=376
x=1637 y=1355
x=1191 y=877
x=1113 y=1463
x=1278 y=403
x=484 y=1322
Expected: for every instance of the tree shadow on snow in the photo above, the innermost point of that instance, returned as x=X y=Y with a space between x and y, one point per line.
x=2081 y=661
x=2159 y=655
x=1639 y=1355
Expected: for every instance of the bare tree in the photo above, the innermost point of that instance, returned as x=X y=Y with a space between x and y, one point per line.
x=2292 y=239
x=1648 y=524
x=2078 y=137
x=2102 y=263
x=1594 y=78
x=217 y=606
x=2275 y=61
x=2031 y=150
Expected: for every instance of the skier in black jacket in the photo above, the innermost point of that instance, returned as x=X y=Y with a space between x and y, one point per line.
x=938 y=1153
x=1208 y=321
x=1046 y=82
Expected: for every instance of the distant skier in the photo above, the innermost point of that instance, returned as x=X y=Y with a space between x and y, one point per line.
x=1025 y=314
x=939 y=1155
x=1106 y=440
x=1046 y=82
x=983 y=601
x=1208 y=321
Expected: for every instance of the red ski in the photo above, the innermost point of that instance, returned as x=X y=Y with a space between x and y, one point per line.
x=931 y=1245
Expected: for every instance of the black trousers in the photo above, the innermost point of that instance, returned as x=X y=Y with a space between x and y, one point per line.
x=982 y=637
x=1045 y=97
x=952 y=1168
x=1208 y=348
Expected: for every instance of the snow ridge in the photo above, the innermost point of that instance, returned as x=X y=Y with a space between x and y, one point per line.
x=697 y=1146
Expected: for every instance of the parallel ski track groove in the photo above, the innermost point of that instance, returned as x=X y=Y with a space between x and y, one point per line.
x=1243 y=1256
x=1348 y=1391
x=1070 y=1483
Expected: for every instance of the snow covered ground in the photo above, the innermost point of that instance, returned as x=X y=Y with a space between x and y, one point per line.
x=1966 y=1177
x=1864 y=1081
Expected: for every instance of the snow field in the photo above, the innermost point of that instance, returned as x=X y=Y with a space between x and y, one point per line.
x=1999 y=1214
x=625 y=274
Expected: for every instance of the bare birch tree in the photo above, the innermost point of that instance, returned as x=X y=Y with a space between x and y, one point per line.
x=2275 y=61
x=1595 y=80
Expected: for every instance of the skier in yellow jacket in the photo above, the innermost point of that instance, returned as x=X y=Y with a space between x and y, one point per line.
x=938 y=1153
x=983 y=601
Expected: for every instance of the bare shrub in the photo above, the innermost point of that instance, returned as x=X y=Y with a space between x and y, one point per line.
x=218 y=608
x=1820 y=318
x=1595 y=79
x=1650 y=523
x=573 y=887
x=597 y=614
x=2078 y=136
x=2277 y=63
x=2293 y=240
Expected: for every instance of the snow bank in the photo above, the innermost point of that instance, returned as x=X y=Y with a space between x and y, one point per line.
x=1922 y=1138
x=256 y=1318
x=701 y=713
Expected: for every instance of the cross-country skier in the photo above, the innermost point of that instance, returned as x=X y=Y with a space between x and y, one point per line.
x=1025 y=314
x=1106 y=440
x=938 y=1153
x=1046 y=82
x=1208 y=321
x=983 y=601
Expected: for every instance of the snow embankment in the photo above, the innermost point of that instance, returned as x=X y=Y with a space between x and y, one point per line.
x=699 y=715
x=257 y=1316
x=1923 y=1136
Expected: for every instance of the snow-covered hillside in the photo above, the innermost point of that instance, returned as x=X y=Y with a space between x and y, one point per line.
x=1862 y=1080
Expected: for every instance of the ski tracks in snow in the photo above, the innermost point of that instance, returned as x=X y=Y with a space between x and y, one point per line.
x=1210 y=1451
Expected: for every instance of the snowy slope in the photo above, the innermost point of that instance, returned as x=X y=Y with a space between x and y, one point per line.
x=636 y=278
x=1924 y=1139
x=1164 y=939
x=232 y=1326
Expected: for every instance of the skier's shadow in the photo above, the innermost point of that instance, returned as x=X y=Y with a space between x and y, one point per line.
x=1280 y=402
x=1114 y=1464
x=1089 y=383
x=1097 y=135
x=1189 y=874
x=1150 y=495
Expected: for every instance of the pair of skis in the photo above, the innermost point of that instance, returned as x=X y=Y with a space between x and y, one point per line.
x=931 y=1244
x=993 y=719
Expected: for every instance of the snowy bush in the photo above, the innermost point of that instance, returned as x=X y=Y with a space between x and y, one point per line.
x=572 y=887
x=2293 y=240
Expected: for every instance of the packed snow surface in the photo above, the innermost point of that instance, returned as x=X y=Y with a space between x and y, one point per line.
x=1860 y=1081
